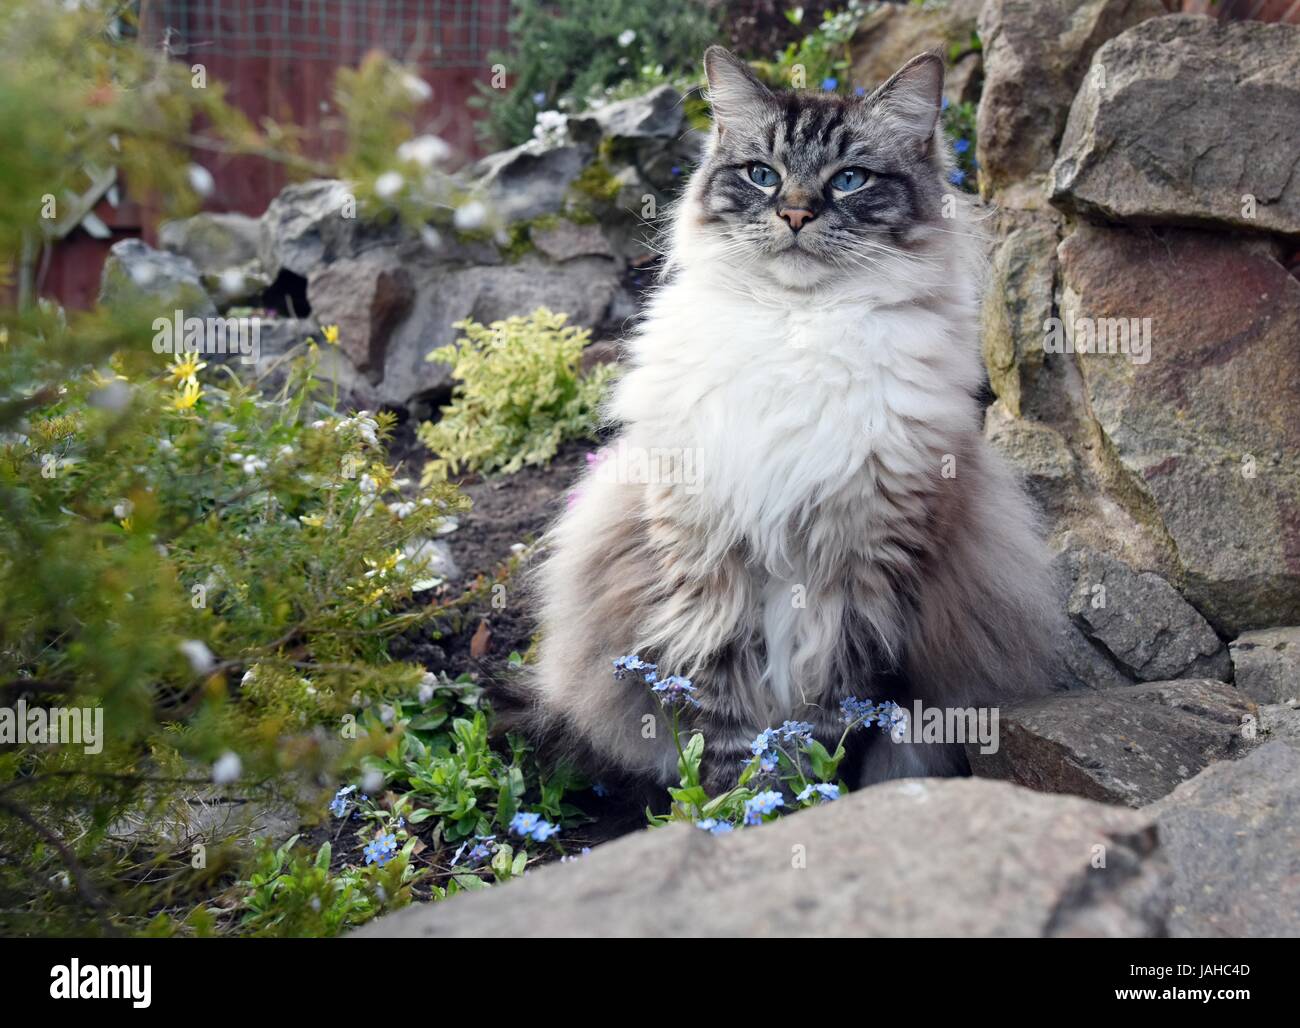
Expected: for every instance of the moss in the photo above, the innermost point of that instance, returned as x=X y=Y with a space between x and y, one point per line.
x=596 y=183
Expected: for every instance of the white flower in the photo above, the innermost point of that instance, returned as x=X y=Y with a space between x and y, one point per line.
x=249 y=675
x=425 y=151
x=166 y=445
x=198 y=654
x=401 y=510
x=227 y=769
x=470 y=216
x=201 y=180
x=286 y=450
x=551 y=128
x=122 y=509
x=386 y=715
x=372 y=781
x=427 y=683
x=231 y=282
x=626 y=38
x=416 y=88
x=430 y=237
x=388 y=185
x=368 y=485
x=253 y=465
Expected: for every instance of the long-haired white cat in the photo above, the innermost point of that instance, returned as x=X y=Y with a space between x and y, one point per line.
x=800 y=506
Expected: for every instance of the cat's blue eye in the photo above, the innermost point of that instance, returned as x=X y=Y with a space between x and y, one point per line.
x=850 y=179
x=762 y=175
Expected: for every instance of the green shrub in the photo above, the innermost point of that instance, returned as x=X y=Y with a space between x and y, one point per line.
x=566 y=54
x=520 y=393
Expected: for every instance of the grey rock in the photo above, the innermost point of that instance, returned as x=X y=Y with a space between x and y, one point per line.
x=1038 y=452
x=959 y=857
x=1139 y=620
x=565 y=240
x=1232 y=836
x=161 y=282
x=892 y=34
x=367 y=297
x=530 y=180
x=1192 y=117
x=303 y=225
x=433 y=560
x=213 y=242
x=584 y=288
x=1199 y=429
x=655 y=115
x=1280 y=722
x=1036 y=53
x=1267 y=664
x=1018 y=300
x=1129 y=745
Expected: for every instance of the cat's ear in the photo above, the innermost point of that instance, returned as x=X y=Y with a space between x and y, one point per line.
x=735 y=93
x=912 y=98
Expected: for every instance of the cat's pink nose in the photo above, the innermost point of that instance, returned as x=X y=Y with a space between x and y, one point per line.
x=795 y=217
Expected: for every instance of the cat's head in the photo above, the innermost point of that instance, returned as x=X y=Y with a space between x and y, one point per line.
x=805 y=188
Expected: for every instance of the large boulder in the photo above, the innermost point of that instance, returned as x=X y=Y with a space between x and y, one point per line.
x=1232 y=835
x=1188 y=120
x=909 y=858
x=137 y=275
x=214 y=242
x=530 y=180
x=892 y=34
x=367 y=297
x=1138 y=620
x=1199 y=427
x=1036 y=53
x=1018 y=300
x=1129 y=745
x=1267 y=664
x=586 y=288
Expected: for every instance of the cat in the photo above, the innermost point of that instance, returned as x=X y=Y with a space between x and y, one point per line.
x=799 y=505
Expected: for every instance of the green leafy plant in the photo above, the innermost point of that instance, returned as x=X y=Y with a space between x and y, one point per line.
x=789 y=766
x=293 y=894
x=565 y=56
x=520 y=393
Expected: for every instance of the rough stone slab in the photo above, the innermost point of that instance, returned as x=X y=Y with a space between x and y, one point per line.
x=892 y=34
x=1203 y=435
x=1018 y=299
x=1267 y=664
x=1036 y=52
x=920 y=857
x=1185 y=119
x=161 y=282
x=1138 y=619
x=1129 y=745
x=367 y=297
x=213 y=241
x=1232 y=836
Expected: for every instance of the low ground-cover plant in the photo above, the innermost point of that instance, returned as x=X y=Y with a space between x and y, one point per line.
x=520 y=393
x=789 y=768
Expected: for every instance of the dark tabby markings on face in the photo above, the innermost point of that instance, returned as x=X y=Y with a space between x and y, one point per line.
x=807 y=138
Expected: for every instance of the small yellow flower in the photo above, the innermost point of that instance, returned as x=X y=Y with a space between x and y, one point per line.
x=331 y=334
x=184 y=369
x=312 y=520
x=127 y=524
x=187 y=397
x=4 y=335
x=100 y=381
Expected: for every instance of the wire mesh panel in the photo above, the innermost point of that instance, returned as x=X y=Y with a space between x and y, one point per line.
x=428 y=33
